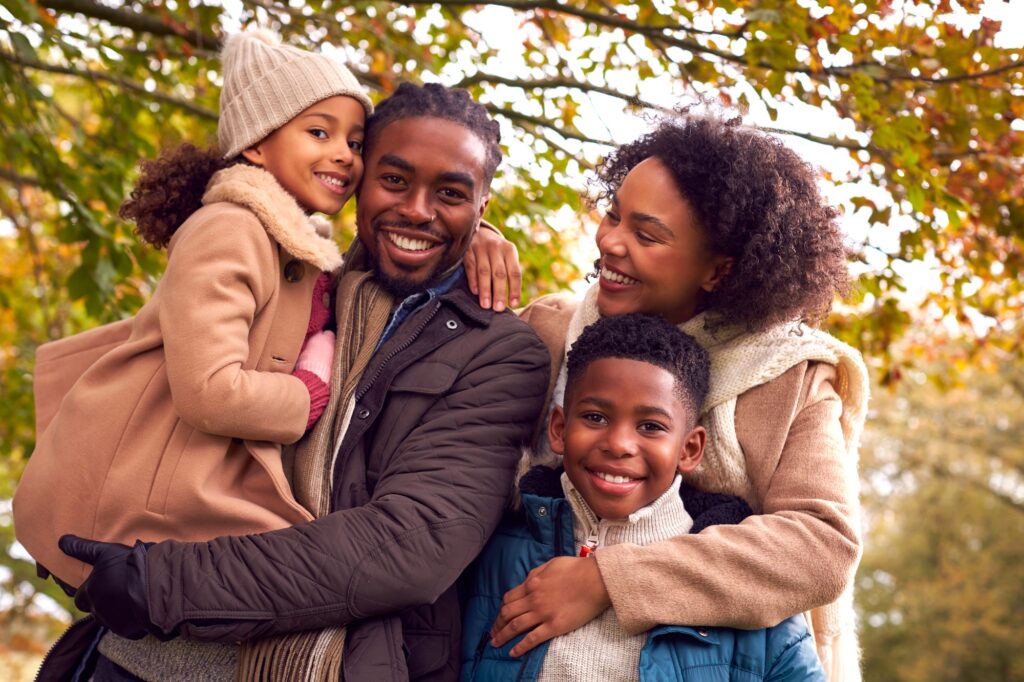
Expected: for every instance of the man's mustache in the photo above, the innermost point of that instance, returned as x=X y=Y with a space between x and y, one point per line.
x=424 y=228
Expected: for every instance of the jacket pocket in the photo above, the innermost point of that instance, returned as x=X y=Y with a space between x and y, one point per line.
x=425 y=376
x=426 y=652
x=176 y=446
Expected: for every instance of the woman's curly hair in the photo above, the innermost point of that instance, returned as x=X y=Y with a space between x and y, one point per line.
x=169 y=190
x=757 y=202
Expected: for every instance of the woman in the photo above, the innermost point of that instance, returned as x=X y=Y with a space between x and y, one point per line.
x=721 y=229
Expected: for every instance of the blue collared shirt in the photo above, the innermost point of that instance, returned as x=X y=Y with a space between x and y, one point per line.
x=417 y=301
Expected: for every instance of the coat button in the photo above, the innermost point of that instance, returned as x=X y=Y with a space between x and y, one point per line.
x=327 y=300
x=451 y=324
x=542 y=511
x=294 y=271
x=363 y=413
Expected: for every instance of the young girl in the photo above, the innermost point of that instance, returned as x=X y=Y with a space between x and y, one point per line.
x=175 y=431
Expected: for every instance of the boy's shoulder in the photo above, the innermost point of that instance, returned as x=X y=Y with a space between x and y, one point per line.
x=712 y=509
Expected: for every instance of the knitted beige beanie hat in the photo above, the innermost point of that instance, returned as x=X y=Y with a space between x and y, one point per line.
x=267 y=84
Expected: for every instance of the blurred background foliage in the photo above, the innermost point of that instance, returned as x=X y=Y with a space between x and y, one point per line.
x=924 y=99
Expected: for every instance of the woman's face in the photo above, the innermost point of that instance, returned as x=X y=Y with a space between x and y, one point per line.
x=654 y=258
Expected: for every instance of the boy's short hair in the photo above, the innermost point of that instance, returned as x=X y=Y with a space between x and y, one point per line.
x=646 y=338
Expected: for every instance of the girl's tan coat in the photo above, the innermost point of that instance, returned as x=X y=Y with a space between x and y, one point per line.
x=173 y=430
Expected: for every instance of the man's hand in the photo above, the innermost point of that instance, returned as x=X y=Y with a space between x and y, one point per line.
x=492 y=267
x=115 y=591
x=557 y=597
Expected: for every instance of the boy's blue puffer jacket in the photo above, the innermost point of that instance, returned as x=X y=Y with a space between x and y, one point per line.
x=543 y=530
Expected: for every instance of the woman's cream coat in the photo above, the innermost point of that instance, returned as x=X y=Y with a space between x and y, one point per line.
x=173 y=429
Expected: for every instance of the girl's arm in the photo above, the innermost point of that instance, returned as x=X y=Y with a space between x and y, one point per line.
x=492 y=268
x=799 y=553
x=221 y=271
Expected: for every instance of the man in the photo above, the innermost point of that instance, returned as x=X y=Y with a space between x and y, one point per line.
x=407 y=471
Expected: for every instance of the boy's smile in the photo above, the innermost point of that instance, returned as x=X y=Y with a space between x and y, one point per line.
x=624 y=434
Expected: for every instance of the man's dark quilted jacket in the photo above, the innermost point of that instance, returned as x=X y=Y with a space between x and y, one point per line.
x=420 y=483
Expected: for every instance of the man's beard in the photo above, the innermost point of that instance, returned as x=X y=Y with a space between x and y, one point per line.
x=401 y=287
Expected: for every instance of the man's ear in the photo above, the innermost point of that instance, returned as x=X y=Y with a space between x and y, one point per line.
x=692 y=450
x=483 y=207
x=556 y=430
x=721 y=267
x=254 y=155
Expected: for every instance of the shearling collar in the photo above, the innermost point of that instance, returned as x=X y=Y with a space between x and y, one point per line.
x=308 y=238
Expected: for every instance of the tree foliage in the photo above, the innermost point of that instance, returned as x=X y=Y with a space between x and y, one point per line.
x=943 y=572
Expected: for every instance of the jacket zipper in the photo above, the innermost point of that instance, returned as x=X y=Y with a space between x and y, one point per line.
x=78 y=624
x=395 y=351
x=478 y=656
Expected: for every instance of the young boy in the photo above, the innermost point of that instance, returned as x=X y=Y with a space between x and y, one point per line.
x=627 y=431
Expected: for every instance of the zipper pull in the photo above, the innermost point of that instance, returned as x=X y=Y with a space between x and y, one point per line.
x=590 y=545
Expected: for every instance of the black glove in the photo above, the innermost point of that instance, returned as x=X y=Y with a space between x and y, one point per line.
x=115 y=591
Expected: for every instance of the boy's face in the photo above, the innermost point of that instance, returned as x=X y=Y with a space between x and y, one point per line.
x=317 y=156
x=623 y=435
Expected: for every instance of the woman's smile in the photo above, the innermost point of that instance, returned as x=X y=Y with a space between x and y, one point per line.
x=654 y=257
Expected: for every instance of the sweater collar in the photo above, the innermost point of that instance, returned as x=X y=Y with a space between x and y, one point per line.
x=307 y=238
x=664 y=518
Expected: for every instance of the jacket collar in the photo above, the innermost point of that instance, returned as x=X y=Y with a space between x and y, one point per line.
x=466 y=302
x=307 y=238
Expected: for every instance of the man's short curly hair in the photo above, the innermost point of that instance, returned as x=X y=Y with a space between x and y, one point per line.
x=758 y=202
x=437 y=101
x=646 y=338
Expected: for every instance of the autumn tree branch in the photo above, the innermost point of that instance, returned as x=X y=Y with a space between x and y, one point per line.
x=123 y=83
x=136 y=21
x=663 y=34
x=19 y=179
x=551 y=83
x=544 y=123
x=587 y=87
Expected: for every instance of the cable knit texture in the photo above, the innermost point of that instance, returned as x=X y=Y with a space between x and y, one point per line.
x=320 y=311
x=267 y=84
x=319 y=393
x=602 y=649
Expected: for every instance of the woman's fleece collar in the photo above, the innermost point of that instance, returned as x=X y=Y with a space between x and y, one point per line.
x=308 y=238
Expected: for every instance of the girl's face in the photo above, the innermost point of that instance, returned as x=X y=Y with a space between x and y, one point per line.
x=317 y=156
x=654 y=257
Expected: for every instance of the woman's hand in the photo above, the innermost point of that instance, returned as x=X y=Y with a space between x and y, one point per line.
x=492 y=268
x=557 y=597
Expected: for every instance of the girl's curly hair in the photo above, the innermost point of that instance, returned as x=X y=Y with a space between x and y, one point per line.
x=169 y=190
x=757 y=201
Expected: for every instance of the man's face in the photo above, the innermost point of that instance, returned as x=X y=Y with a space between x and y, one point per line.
x=422 y=198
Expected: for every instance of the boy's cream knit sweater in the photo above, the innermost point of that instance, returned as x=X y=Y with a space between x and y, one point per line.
x=602 y=649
